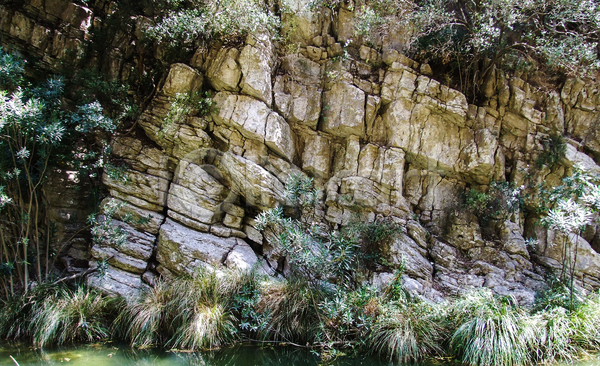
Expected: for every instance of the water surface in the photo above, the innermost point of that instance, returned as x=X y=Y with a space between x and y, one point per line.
x=242 y=355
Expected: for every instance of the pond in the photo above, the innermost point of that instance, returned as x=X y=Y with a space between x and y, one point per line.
x=242 y=355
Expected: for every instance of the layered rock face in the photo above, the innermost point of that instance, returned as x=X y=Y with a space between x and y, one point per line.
x=380 y=138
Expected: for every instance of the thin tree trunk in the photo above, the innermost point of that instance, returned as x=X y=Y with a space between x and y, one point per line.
x=573 y=269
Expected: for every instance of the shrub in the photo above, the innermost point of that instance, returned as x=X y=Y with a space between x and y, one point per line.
x=312 y=255
x=500 y=201
x=372 y=236
x=554 y=151
x=557 y=295
x=568 y=209
x=37 y=133
x=199 y=21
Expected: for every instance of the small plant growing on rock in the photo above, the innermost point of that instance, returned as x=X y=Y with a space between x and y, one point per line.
x=501 y=200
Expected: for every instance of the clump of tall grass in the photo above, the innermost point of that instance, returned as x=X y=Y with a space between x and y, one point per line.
x=410 y=332
x=58 y=314
x=490 y=330
x=291 y=309
x=146 y=319
x=566 y=335
x=186 y=313
x=587 y=323
x=201 y=319
x=80 y=315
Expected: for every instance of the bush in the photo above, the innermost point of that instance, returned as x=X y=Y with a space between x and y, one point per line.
x=37 y=133
x=373 y=237
x=199 y=21
x=317 y=257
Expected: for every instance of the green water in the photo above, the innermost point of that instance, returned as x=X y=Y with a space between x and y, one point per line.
x=244 y=355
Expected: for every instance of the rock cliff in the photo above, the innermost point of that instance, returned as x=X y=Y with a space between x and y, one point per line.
x=378 y=134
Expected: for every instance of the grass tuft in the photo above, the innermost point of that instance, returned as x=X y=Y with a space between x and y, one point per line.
x=80 y=315
x=409 y=333
x=292 y=311
x=490 y=331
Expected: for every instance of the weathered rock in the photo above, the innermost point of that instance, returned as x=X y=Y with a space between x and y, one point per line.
x=254 y=120
x=316 y=157
x=403 y=248
x=344 y=110
x=140 y=219
x=241 y=257
x=379 y=135
x=511 y=236
x=297 y=102
x=182 y=79
x=255 y=61
x=116 y=282
x=182 y=250
x=143 y=190
x=224 y=72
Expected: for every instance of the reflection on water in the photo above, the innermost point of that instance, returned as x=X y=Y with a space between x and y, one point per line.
x=244 y=355
x=103 y=355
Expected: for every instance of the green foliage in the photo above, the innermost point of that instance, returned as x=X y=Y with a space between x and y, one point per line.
x=11 y=70
x=37 y=132
x=312 y=255
x=568 y=209
x=186 y=23
x=54 y=314
x=470 y=38
x=500 y=201
x=373 y=237
x=490 y=331
x=554 y=151
x=395 y=291
x=557 y=295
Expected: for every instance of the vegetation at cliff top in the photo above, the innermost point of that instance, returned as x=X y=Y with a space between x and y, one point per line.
x=474 y=37
x=190 y=22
